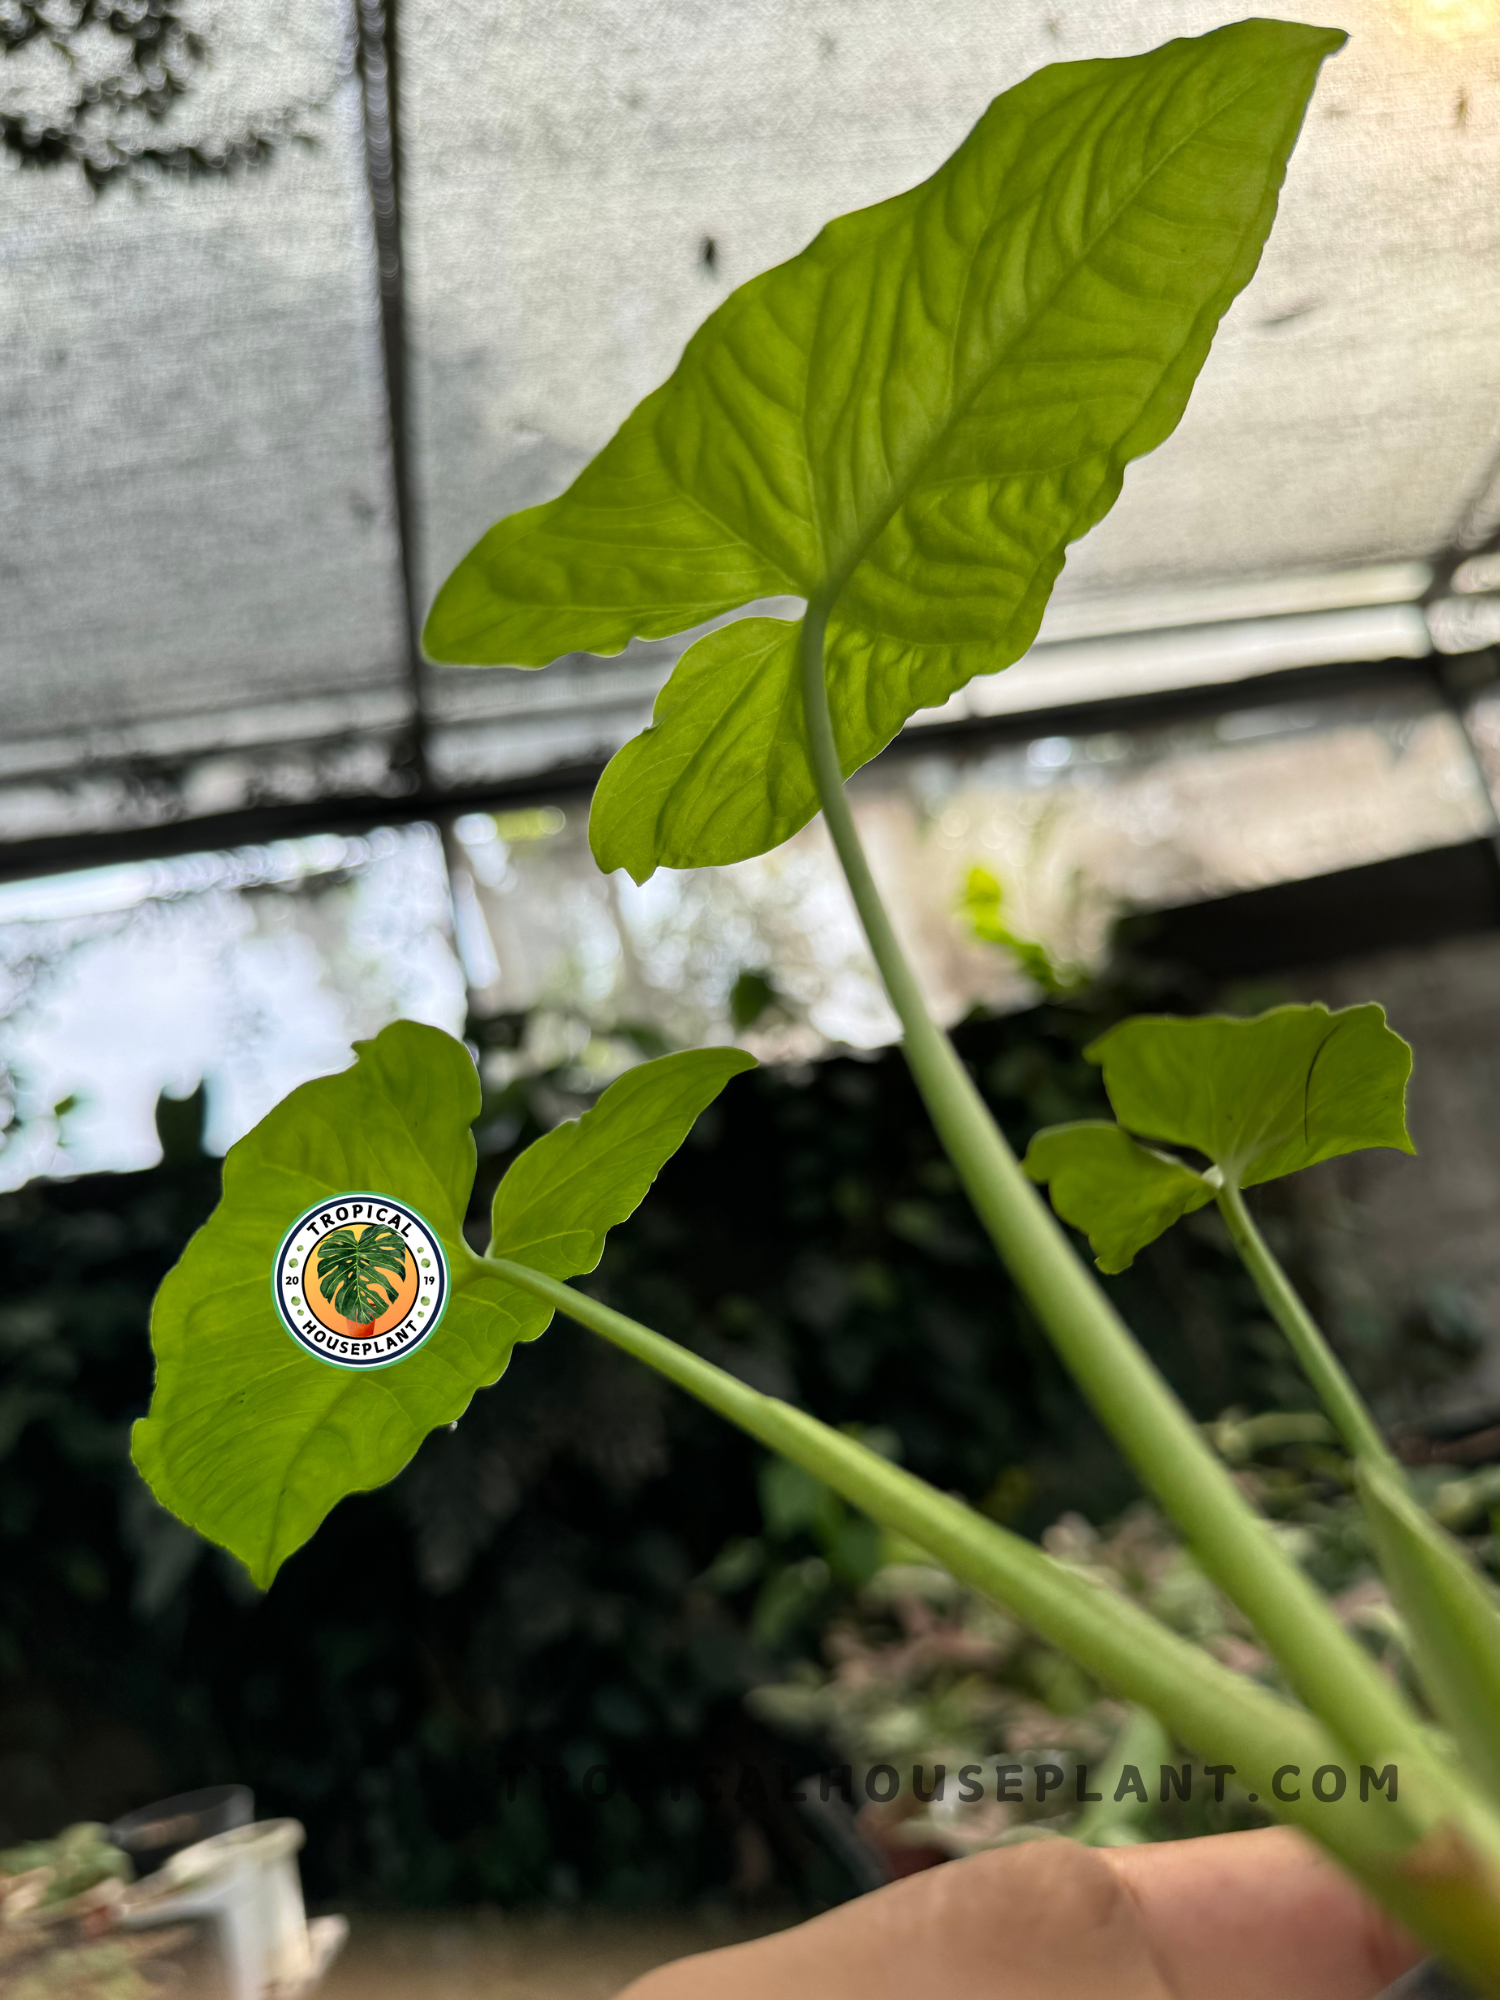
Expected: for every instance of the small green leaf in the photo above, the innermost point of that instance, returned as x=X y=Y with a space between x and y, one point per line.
x=252 y=1441
x=1451 y=1615
x=907 y=423
x=1257 y=1098
x=1260 y=1097
x=1122 y=1195
x=553 y=1207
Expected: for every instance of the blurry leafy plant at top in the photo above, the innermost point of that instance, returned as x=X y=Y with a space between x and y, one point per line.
x=982 y=906
x=361 y=1270
x=99 y=82
x=905 y=426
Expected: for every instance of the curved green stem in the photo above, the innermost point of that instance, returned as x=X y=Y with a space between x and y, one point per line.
x=1328 y=1668
x=1111 y=1637
x=1322 y=1367
x=1447 y=1901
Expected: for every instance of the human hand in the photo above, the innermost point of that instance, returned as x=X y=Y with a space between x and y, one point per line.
x=1237 y=1916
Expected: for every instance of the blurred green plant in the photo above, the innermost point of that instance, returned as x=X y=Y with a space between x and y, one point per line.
x=78 y=1858
x=752 y=996
x=920 y=1673
x=57 y=1903
x=981 y=906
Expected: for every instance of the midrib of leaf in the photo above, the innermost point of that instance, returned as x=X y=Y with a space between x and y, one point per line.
x=438 y=1185
x=1252 y=1150
x=1334 y=1028
x=561 y=1186
x=837 y=581
x=833 y=582
x=342 y=1390
x=512 y=1249
x=733 y=538
x=523 y=1253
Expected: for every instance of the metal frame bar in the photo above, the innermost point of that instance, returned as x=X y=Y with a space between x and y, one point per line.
x=377 y=59
x=377 y=55
x=59 y=853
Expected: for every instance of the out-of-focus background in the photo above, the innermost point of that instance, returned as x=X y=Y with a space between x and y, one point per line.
x=296 y=299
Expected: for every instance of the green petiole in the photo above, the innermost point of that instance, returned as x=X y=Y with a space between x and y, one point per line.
x=1449 y=1610
x=1324 y=1664
x=1201 y=1702
x=1322 y=1367
x=1113 y=1638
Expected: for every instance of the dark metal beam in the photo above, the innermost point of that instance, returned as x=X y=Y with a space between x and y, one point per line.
x=251 y=825
x=1409 y=902
x=379 y=75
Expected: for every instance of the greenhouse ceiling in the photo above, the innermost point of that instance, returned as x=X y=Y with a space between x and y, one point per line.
x=214 y=559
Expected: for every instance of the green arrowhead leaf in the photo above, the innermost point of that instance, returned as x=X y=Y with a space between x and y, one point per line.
x=1257 y=1098
x=1262 y=1097
x=1450 y=1612
x=252 y=1441
x=907 y=423
x=1121 y=1194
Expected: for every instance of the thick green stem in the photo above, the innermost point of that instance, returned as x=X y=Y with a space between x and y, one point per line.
x=1200 y=1702
x=1329 y=1669
x=1338 y=1395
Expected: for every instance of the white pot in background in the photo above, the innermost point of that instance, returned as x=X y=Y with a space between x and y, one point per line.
x=246 y=1883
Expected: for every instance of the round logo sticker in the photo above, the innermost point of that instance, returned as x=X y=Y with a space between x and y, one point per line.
x=360 y=1281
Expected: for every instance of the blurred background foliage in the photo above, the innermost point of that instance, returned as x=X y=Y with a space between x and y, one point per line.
x=589 y=1575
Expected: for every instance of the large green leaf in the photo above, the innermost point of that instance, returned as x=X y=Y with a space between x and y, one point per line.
x=252 y=1441
x=908 y=423
x=1450 y=1612
x=1255 y=1098
x=1121 y=1194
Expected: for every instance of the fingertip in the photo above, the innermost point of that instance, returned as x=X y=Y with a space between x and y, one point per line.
x=1243 y=1914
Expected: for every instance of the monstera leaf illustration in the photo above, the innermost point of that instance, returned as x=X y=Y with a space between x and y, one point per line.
x=361 y=1274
